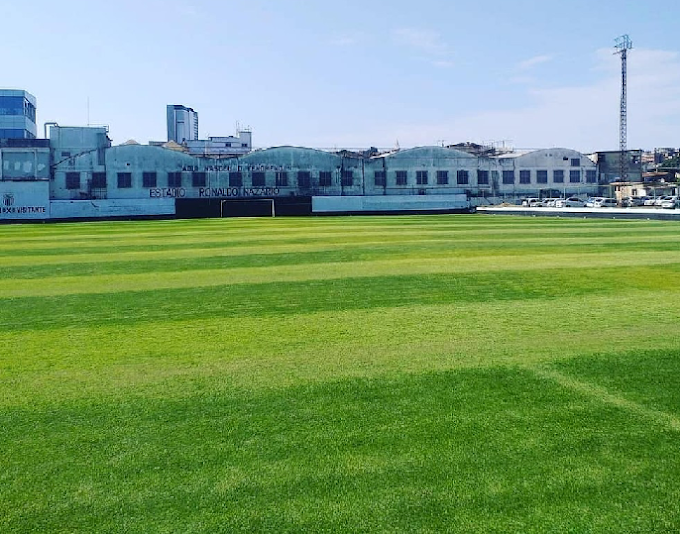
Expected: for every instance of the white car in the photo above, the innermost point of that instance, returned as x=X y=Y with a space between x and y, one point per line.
x=590 y=203
x=571 y=202
x=605 y=203
x=650 y=201
x=670 y=203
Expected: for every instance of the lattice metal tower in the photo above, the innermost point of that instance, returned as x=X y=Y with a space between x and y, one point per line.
x=623 y=44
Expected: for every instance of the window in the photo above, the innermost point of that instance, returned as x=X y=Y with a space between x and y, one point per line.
x=524 y=177
x=402 y=177
x=325 y=178
x=347 y=179
x=462 y=177
x=574 y=177
x=281 y=179
x=174 y=179
x=149 y=179
x=541 y=177
x=482 y=177
x=591 y=176
x=442 y=177
x=558 y=176
x=236 y=179
x=380 y=178
x=198 y=179
x=508 y=177
x=65 y=154
x=259 y=179
x=575 y=162
x=421 y=177
x=99 y=180
x=304 y=179
x=124 y=180
x=72 y=180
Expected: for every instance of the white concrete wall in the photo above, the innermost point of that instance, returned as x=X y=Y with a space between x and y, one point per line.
x=388 y=203
x=24 y=200
x=72 y=209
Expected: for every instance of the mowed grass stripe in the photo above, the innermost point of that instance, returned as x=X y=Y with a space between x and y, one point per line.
x=52 y=286
x=28 y=267
x=18 y=265
x=175 y=356
x=302 y=230
x=480 y=450
x=301 y=297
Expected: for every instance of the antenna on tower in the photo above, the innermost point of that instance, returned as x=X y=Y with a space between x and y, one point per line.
x=622 y=45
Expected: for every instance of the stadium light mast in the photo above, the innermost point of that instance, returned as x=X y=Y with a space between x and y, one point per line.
x=622 y=45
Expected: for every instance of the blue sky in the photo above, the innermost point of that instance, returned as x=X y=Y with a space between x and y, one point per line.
x=353 y=74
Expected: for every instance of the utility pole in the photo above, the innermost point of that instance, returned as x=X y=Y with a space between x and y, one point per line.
x=623 y=44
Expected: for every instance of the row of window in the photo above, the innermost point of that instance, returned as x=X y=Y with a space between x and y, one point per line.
x=198 y=179
x=304 y=178
x=558 y=176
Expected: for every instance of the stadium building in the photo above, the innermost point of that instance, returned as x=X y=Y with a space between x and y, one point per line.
x=77 y=173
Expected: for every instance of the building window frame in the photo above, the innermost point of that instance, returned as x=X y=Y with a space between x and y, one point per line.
x=124 y=180
x=235 y=179
x=462 y=177
x=149 y=179
x=421 y=177
x=198 y=179
x=72 y=180
x=325 y=178
x=174 y=179
x=259 y=179
x=281 y=178
x=509 y=177
x=401 y=177
x=347 y=178
x=380 y=178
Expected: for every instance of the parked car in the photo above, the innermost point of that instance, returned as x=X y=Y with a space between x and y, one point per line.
x=650 y=201
x=671 y=203
x=531 y=202
x=550 y=202
x=630 y=202
x=606 y=203
x=590 y=203
x=571 y=202
x=660 y=200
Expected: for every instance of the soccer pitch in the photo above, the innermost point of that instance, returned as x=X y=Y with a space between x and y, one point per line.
x=459 y=373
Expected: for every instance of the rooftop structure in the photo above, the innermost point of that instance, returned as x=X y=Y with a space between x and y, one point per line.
x=182 y=123
x=17 y=114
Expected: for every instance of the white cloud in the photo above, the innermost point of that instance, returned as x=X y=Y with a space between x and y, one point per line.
x=428 y=41
x=580 y=116
x=532 y=62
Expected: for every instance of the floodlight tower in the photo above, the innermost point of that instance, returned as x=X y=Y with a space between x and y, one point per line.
x=623 y=44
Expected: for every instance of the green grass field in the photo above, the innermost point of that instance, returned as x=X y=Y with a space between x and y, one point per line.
x=368 y=374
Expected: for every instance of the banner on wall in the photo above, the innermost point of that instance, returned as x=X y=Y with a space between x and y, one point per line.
x=24 y=200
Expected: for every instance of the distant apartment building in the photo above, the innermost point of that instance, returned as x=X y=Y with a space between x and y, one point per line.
x=182 y=124
x=17 y=114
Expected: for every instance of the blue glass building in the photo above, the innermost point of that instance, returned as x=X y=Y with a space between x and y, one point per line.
x=17 y=114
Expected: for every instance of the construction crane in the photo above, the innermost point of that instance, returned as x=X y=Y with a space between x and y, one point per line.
x=622 y=45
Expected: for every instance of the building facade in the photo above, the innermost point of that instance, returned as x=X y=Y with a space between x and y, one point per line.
x=17 y=114
x=182 y=123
